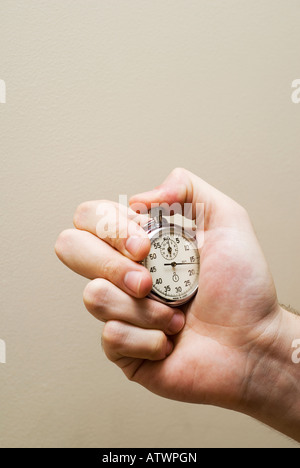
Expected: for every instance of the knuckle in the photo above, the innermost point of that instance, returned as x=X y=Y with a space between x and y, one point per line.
x=63 y=241
x=178 y=172
x=108 y=218
x=112 y=336
x=158 y=316
x=104 y=207
x=95 y=296
x=112 y=269
x=80 y=214
x=158 y=347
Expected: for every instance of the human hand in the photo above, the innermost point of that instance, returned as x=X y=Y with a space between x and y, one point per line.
x=221 y=354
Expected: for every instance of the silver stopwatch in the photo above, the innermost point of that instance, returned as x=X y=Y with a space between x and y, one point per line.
x=173 y=261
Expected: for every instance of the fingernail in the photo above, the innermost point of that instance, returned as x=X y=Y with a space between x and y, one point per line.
x=133 y=281
x=134 y=244
x=176 y=323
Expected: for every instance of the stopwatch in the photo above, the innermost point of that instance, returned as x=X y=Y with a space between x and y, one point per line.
x=173 y=261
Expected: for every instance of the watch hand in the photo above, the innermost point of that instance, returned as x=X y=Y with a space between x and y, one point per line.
x=174 y=264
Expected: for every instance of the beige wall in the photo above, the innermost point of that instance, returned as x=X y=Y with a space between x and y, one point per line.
x=106 y=97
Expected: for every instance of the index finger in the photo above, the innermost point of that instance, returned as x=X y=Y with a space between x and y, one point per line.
x=115 y=224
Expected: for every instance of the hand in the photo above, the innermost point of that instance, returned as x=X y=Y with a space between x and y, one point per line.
x=119 y=287
x=224 y=353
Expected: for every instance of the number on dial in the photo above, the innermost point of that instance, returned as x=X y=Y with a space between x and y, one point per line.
x=174 y=264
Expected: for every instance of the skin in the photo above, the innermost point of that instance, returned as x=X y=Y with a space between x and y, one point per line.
x=231 y=346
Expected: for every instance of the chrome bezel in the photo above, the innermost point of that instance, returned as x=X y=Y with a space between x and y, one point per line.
x=154 y=231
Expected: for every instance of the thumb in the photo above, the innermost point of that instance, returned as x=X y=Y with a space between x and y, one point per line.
x=189 y=191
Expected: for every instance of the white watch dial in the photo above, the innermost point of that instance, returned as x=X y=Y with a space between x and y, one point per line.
x=174 y=264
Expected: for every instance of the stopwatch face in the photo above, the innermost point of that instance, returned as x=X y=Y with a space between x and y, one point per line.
x=174 y=264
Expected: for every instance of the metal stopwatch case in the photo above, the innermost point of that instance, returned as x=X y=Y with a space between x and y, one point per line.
x=173 y=261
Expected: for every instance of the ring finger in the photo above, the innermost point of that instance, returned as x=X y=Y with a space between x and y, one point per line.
x=106 y=302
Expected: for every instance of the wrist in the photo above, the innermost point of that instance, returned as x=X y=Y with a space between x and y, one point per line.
x=272 y=393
